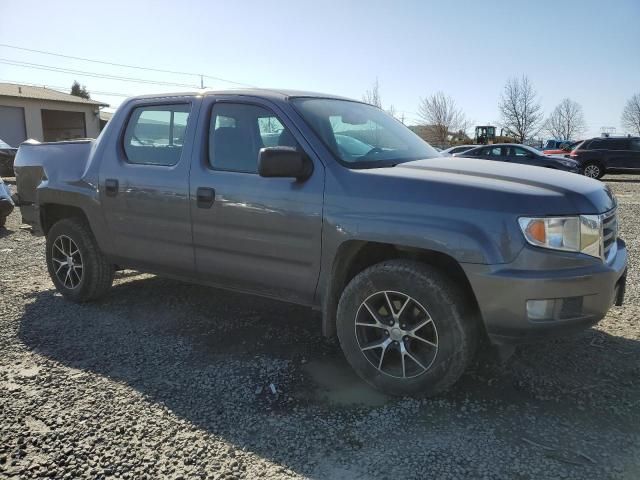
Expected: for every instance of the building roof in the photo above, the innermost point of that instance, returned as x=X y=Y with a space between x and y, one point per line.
x=43 y=93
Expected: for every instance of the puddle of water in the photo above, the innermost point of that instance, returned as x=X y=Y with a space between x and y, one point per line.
x=337 y=383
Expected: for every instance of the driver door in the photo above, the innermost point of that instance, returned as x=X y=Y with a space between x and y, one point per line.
x=251 y=233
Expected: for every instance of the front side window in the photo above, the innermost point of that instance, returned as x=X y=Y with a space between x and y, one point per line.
x=635 y=144
x=155 y=134
x=238 y=131
x=360 y=135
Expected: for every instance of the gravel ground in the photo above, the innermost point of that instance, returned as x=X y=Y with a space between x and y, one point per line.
x=163 y=379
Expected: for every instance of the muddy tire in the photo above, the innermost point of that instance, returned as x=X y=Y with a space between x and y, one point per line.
x=76 y=265
x=406 y=328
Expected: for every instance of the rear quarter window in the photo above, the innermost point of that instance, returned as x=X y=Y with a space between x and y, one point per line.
x=155 y=134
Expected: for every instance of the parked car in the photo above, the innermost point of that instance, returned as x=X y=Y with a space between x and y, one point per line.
x=523 y=154
x=554 y=144
x=608 y=155
x=407 y=254
x=7 y=156
x=6 y=202
x=564 y=148
x=456 y=149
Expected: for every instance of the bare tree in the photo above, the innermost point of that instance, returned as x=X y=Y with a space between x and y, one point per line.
x=519 y=108
x=441 y=117
x=631 y=115
x=566 y=122
x=372 y=96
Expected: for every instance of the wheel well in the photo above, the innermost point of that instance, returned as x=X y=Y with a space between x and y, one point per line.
x=51 y=213
x=355 y=256
x=595 y=162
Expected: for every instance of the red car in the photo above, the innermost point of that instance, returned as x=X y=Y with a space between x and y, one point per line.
x=562 y=148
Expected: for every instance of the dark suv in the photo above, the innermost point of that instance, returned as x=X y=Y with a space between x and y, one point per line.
x=601 y=155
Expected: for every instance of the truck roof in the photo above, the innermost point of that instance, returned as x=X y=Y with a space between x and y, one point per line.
x=276 y=94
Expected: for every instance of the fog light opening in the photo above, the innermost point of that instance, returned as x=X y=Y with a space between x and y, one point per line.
x=541 y=309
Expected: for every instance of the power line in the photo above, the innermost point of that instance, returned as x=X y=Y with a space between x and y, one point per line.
x=51 y=68
x=149 y=69
x=64 y=89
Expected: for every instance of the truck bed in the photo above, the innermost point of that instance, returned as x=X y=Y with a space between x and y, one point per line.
x=38 y=164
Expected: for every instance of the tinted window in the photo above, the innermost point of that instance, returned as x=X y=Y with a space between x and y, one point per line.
x=492 y=151
x=476 y=152
x=635 y=144
x=155 y=134
x=596 y=144
x=618 y=144
x=519 y=152
x=237 y=132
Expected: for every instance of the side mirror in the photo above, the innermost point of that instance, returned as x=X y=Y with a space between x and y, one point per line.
x=284 y=162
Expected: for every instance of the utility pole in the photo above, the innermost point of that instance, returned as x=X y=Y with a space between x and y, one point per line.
x=201 y=81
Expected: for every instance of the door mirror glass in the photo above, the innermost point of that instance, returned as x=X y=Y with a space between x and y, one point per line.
x=284 y=162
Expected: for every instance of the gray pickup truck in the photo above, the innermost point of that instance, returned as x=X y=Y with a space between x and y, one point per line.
x=414 y=259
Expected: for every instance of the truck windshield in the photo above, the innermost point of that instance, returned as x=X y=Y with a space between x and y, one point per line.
x=361 y=135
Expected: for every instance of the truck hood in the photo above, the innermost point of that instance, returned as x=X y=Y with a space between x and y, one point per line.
x=509 y=187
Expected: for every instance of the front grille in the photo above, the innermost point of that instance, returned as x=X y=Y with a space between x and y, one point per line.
x=609 y=233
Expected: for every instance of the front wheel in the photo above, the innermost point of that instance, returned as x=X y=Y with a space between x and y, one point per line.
x=406 y=328
x=593 y=170
x=77 y=267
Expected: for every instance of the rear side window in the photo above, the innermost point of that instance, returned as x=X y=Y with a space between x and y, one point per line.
x=238 y=131
x=518 y=152
x=618 y=144
x=492 y=151
x=155 y=134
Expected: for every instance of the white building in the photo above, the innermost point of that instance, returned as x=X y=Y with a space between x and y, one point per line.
x=45 y=115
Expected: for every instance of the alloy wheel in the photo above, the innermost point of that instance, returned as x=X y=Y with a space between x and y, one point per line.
x=67 y=262
x=396 y=334
x=592 y=171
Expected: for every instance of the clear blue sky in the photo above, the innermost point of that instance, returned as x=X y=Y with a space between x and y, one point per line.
x=583 y=49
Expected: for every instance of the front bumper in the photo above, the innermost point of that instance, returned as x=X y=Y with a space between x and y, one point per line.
x=586 y=284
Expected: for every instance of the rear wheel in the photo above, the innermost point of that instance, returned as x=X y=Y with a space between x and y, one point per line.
x=593 y=170
x=406 y=328
x=76 y=265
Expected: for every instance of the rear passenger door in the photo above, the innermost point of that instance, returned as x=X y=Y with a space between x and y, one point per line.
x=620 y=155
x=634 y=160
x=144 y=187
x=251 y=233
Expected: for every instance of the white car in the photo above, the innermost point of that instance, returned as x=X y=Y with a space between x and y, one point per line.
x=456 y=149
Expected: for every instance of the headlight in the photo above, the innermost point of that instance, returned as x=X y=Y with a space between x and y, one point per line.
x=571 y=234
